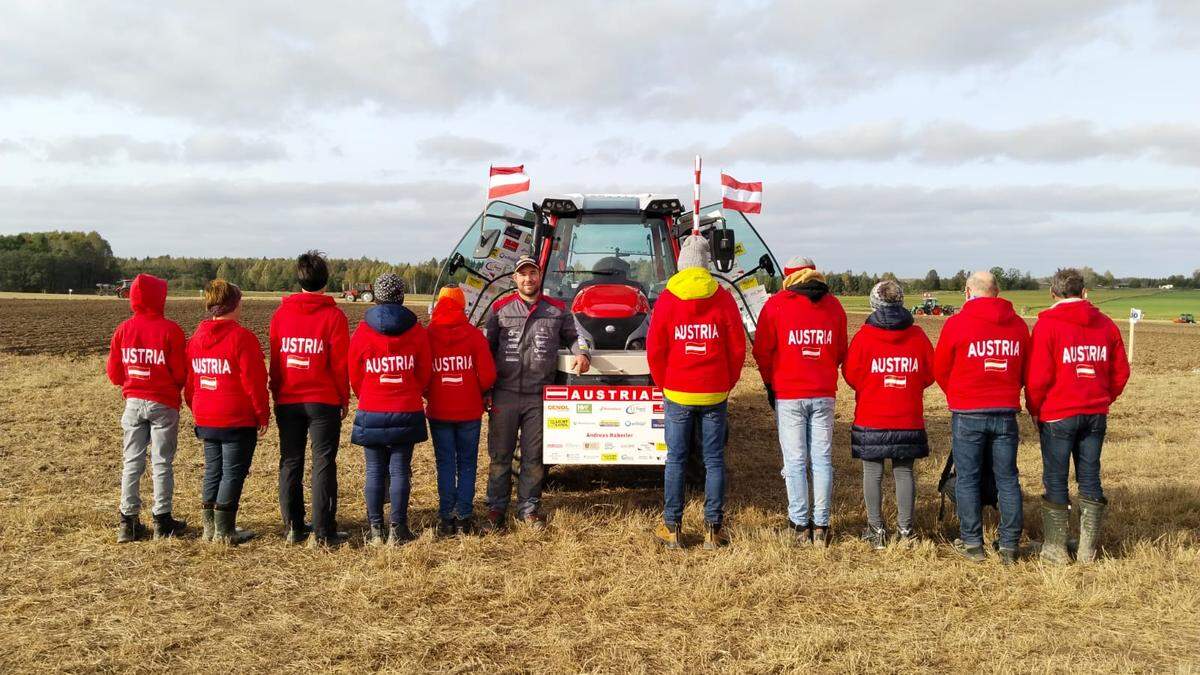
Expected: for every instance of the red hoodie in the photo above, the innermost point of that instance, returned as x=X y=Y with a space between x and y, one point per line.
x=1077 y=363
x=889 y=371
x=309 y=340
x=463 y=368
x=389 y=361
x=227 y=380
x=147 y=355
x=799 y=344
x=696 y=343
x=980 y=356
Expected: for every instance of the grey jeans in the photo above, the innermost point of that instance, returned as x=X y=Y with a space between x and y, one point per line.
x=906 y=489
x=515 y=415
x=154 y=427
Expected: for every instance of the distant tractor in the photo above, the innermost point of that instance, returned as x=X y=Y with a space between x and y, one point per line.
x=363 y=292
x=931 y=307
x=1186 y=318
x=119 y=289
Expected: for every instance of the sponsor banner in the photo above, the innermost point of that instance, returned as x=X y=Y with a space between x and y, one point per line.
x=603 y=425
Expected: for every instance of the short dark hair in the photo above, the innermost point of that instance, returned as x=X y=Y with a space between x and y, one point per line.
x=1067 y=283
x=312 y=271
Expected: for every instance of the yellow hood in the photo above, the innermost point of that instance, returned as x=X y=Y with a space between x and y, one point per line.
x=693 y=283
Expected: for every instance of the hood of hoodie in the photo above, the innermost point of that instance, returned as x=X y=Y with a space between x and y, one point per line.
x=390 y=318
x=308 y=303
x=992 y=310
x=693 y=283
x=448 y=323
x=1081 y=313
x=148 y=295
x=891 y=318
x=212 y=331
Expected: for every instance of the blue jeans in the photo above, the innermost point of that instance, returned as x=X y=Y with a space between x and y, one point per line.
x=975 y=437
x=226 y=464
x=681 y=421
x=395 y=461
x=806 y=438
x=456 y=452
x=1080 y=438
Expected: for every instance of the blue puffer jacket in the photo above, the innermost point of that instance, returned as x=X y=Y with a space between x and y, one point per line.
x=877 y=444
x=379 y=429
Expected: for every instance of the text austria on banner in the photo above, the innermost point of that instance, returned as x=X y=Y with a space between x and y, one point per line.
x=739 y=196
x=507 y=180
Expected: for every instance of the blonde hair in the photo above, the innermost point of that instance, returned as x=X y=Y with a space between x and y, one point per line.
x=221 y=297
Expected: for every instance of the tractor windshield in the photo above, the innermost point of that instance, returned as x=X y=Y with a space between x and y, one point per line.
x=617 y=248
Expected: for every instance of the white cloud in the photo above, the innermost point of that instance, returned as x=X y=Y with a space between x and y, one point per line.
x=227 y=148
x=455 y=148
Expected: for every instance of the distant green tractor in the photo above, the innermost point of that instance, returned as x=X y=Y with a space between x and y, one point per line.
x=931 y=307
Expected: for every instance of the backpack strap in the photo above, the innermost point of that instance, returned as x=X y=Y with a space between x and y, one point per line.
x=947 y=471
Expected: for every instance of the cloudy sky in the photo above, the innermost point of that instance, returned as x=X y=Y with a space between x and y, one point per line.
x=890 y=135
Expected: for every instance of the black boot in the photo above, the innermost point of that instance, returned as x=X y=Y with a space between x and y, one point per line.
x=225 y=529
x=166 y=527
x=464 y=526
x=400 y=534
x=297 y=532
x=1091 y=516
x=206 y=517
x=130 y=529
x=446 y=527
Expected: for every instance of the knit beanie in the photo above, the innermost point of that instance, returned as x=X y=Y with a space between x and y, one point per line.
x=389 y=287
x=694 y=253
x=452 y=296
x=887 y=292
x=798 y=263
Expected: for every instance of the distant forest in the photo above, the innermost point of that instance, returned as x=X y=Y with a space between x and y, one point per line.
x=57 y=261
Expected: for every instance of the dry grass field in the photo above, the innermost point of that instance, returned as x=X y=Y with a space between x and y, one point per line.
x=593 y=593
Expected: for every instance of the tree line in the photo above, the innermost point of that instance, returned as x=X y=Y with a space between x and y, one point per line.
x=78 y=261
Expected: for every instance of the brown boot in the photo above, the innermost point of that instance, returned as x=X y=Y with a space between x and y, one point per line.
x=669 y=535
x=715 y=536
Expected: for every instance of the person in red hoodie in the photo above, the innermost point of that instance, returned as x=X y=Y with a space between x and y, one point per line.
x=309 y=337
x=227 y=392
x=1077 y=368
x=463 y=375
x=390 y=367
x=799 y=344
x=889 y=365
x=979 y=362
x=695 y=347
x=146 y=360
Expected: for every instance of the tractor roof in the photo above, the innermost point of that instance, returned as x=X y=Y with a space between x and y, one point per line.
x=650 y=204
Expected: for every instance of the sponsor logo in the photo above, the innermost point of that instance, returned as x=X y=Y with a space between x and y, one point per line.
x=747 y=283
x=556 y=407
x=610 y=423
x=391 y=379
x=300 y=362
x=660 y=447
x=608 y=457
x=895 y=381
x=695 y=348
x=583 y=408
x=810 y=352
x=554 y=446
x=635 y=410
x=657 y=409
x=1085 y=370
x=995 y=365
x=658 y=424
x=138 y=373
x=452 y=380
x=511 y=244
x=209 y=383
x=558 y=423
x=475 y=283
x=591 y=446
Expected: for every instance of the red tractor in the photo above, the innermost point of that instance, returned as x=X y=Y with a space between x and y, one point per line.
x=931 y=307
x=356 y=292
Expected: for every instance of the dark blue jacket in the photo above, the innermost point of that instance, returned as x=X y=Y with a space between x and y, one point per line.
x=377 y=429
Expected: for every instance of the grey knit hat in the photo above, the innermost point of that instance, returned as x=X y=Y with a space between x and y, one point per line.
x=887 y=292
x=694 y=253
x=389 y=287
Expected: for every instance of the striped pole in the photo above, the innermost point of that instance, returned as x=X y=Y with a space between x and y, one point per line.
x=696 y=200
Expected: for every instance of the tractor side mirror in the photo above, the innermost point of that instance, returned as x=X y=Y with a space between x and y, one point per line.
x=723 y=247
x=487 y=243
x=457 y=262
x=766 y=264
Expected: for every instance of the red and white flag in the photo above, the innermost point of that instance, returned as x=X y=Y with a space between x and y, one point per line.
x=739 y=196
x=507 y=180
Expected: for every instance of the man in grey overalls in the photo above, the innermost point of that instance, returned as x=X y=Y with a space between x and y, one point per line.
x=525 y=330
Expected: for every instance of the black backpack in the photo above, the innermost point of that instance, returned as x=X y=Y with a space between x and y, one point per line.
x=987 y=483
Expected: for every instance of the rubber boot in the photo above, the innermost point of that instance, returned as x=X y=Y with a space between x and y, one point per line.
x=166 y=527
x=1091 y=516
x=377 y=536
x=399 y=533
x=130 y=529
x=225 y=529
x=207 y=518
x=1056 y=523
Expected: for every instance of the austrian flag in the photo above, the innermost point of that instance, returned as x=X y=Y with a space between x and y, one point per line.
x=739 y=196
x=507 y=180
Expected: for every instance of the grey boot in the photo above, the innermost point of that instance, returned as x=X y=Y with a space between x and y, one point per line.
x=130 y=529
x=378 y=535
x=1056 y=523
x=1091 y=516
x=206 y=517
x=225 y=529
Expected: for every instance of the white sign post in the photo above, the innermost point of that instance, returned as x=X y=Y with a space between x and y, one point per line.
x=1135 y=315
